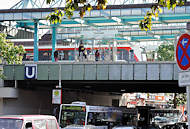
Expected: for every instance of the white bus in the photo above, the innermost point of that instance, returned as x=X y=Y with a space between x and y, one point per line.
x=80 y=114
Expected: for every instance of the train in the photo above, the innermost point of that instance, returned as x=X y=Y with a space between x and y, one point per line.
x=69 y=53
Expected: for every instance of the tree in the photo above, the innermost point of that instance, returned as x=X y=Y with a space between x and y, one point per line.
x=166 y=52
x=9 y=54
x=144 y=24
x=179 y=99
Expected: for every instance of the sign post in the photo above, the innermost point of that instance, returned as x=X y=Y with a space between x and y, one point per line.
x=183 y=61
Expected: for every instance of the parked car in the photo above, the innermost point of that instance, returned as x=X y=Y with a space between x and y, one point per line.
x=28 y=122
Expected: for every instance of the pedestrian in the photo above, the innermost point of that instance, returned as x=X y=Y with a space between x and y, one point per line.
x=97 y=55
x=85 y=53
x=56 y=55
x=81 y=48
x=103 y=54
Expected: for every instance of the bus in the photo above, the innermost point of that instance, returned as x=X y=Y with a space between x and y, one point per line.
x=102 y=117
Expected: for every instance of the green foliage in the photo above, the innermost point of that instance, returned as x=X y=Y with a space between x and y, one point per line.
x=146 y=23
x=71 y=6
x=9 y=53
x=166 y=52
x=179 y=99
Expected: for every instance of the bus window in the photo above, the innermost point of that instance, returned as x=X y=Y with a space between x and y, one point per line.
x=103 y=118
x=70 y=117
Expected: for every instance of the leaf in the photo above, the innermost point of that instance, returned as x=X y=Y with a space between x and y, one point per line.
x=159 y=9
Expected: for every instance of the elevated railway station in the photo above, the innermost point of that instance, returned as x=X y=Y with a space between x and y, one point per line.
x=115 y=30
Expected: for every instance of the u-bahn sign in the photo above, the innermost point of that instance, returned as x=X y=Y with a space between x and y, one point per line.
x=183 y=52
x=30 y=71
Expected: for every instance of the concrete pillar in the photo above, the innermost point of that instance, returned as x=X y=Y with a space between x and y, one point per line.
x=36 y=40
x=53 y=42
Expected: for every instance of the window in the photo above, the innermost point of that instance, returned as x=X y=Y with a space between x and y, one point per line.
x=10 y=123
x=51 y=124
x=40 y=124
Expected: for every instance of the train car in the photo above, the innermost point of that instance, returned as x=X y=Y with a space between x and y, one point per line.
x=69 y=53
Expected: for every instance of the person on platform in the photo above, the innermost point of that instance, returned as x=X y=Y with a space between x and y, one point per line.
x=97 y=55
x=56 y=56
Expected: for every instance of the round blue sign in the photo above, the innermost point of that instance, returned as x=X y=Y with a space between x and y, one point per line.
x=183 y=52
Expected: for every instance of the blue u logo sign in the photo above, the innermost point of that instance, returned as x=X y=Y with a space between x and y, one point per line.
x=30 y=71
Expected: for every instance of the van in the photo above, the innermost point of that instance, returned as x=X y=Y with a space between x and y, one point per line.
x=28 y=122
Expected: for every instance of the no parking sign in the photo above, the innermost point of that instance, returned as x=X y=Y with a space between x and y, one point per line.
x=183 y=59
x=183 y=52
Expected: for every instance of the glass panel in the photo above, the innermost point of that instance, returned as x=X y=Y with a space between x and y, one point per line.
x=180 y=10
x=115 y=12
x=144 y=10
x=136 y=11
x=187 y=9
x=39 y=124
x=36 y=15
x=10 y=123
x=17 y=16
x=8 y=16
x=95 y=13
x=166 y=11
x=45 y=14
x=58 y=36
x=126 y=12
x=51 y=124
x=76 y=14
x=27 y=15
x=72 y=115
x=87 y=14
x=1 y=16
x=105 y=12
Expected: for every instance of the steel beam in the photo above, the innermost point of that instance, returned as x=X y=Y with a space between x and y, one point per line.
x=53 y=42
x=36 y=40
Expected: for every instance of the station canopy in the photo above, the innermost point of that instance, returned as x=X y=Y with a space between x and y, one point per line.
x=119 y=22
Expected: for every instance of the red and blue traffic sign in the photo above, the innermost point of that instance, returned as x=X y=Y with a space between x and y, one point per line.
x=183 y=52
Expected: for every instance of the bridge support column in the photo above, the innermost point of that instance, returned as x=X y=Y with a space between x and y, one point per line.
x=53 y=42
x=188 y=105
x=36 y=40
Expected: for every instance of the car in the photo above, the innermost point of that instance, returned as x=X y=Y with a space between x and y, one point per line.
x=28 y=122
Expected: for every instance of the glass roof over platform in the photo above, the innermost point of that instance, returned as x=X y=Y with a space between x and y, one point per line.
x=119 y=22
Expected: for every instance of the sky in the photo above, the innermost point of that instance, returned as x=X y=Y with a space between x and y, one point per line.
x=6 y=4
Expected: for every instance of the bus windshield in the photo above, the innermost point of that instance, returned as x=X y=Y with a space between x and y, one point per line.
x=11 y=123
x=72 y=115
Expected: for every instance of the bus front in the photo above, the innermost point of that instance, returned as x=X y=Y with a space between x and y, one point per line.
x=72 y=115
